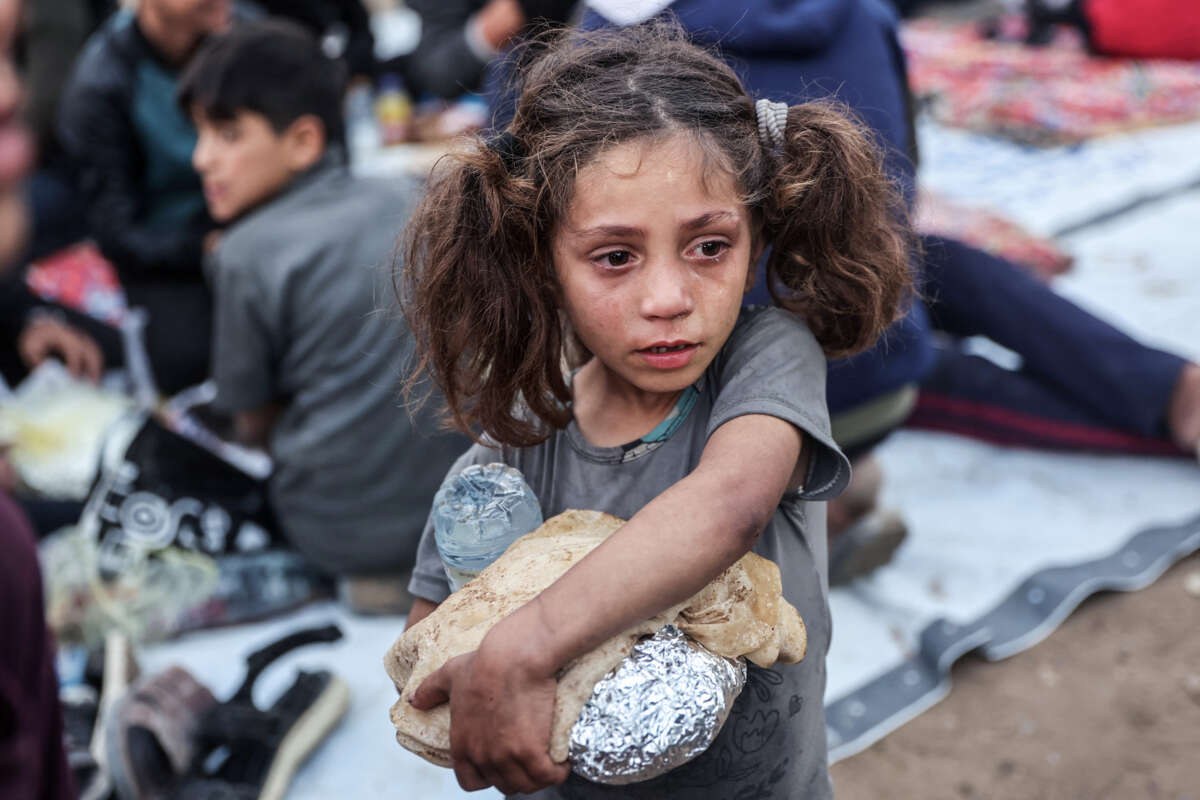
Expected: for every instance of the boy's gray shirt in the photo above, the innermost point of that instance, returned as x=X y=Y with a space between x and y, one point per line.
x=773 y=744
x=302 y=289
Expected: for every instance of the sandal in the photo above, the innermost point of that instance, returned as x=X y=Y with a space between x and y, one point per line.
x=150 y=738
x=253 y=754
x=866 y=545
x=169 y=737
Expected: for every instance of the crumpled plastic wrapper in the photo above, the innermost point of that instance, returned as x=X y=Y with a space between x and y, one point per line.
x=146 y=601
x=661 y=707
x=56 y=427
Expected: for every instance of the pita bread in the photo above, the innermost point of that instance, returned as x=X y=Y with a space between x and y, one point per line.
x=741 y=613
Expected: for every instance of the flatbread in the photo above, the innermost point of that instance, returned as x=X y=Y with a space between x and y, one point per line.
x=741 y=613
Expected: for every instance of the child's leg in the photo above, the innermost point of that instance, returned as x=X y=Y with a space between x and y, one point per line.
x=1091 y=373
x=972 y=396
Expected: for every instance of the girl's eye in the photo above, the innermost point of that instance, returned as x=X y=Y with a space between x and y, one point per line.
x=615 y=258
x=229 y=133
x=712 y=248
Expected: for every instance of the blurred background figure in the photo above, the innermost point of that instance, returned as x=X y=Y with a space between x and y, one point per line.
x=303 y=358
x=120 y=125
x=460 y=38
x=32 y=762
x=52 y=34
x=342 y=26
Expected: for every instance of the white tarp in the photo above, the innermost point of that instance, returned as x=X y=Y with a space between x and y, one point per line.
x=982 y=518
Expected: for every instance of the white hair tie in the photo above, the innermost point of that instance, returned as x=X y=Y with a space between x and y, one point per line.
x=772 y=121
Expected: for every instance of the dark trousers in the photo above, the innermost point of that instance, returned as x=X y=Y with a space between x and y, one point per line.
x=32 y=762
x=1082 y=384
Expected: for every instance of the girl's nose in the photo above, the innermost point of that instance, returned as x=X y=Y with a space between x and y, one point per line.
x=667 y=291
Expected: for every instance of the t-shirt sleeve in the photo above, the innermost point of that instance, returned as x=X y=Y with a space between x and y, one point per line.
x=429 y=577
x=772 y=364
x=243 y=355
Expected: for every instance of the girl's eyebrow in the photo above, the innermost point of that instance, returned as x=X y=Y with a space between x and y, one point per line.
x=613 y=231
x=627 y=231
x=704 y=220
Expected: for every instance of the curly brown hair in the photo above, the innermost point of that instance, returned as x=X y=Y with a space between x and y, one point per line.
x=479 y=286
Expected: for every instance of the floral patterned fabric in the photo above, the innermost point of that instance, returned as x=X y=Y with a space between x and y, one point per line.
x=1048 y=95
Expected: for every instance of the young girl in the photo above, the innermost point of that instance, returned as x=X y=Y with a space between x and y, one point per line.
x=612 y=229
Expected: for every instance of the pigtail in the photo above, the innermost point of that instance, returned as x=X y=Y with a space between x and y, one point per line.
x=841 y=247
x=474 y=289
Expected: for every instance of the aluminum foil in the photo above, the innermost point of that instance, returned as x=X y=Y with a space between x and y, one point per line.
x=660 y=708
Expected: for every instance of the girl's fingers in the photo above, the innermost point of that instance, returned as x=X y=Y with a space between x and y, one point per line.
x=556 y=773
x=468 y=777
x=518 y=783
x=433 y=691
x=525 y=773
x=504 y=778
x=546 y=772
x=509 y=774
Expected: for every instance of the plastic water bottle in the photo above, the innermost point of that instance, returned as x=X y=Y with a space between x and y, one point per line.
x=393 y=110
x=477 y=514
x=362 y=131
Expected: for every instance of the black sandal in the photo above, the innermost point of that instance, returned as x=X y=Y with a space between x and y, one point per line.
x=239 y=752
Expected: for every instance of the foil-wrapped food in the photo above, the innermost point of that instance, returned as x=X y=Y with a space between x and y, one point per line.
x=660 y=708
x=740 y=614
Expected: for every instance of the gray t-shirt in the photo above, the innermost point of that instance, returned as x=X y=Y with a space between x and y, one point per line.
x=773 y=744
x=299 y=284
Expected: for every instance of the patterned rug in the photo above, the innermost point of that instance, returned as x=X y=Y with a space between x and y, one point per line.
x=1048 y=95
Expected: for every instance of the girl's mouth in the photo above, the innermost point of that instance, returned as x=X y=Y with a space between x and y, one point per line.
x=669 y=355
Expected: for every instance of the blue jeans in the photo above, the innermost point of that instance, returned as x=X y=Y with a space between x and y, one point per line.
x=1082 y=383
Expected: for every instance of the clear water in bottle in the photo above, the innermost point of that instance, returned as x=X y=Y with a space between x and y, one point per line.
x=477 y=514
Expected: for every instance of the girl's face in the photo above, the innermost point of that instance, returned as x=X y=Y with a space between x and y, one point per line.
x=653 y=258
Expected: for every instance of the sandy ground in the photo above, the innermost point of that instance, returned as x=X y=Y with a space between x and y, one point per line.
x=1107 y=707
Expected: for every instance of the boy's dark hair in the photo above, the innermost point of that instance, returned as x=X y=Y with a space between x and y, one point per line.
x=272 y=67
x=480 y=289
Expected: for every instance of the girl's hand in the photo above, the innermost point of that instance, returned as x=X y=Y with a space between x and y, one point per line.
x=501 y=710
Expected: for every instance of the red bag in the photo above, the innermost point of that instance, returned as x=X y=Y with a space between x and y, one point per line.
x=1145 y=28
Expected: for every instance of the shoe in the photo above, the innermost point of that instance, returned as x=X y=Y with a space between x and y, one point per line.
x=119 y=670
x=866 y=545
x=170 y=738
x=150 y=739
x=86 y=708
x=859 y=498
x=252 y=753
x=80 y=705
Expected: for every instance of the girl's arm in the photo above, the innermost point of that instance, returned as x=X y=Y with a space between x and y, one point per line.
x=502 y=695
x=421 y=608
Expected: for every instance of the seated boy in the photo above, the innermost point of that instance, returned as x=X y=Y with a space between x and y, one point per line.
x=302 y=358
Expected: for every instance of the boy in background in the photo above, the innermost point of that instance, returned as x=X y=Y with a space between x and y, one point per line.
x=302 y=358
